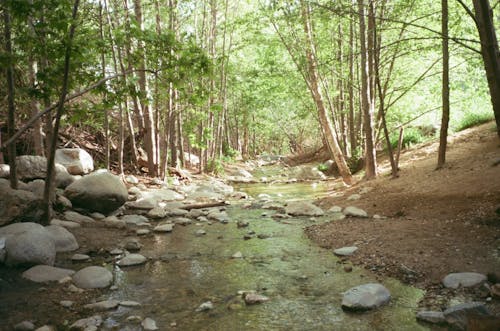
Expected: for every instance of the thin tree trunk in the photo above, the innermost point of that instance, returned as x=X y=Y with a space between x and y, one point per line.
x=106 y=114
x=366 y=98
x=490 y=53
x=9 y=73
x=352 y=128
x=445 y=119
x=149 y=125
x=315 y=90
x=48 y=193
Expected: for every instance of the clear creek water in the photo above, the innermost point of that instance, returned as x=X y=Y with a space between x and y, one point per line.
x=304 y=282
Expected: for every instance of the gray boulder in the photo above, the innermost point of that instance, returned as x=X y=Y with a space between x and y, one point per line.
x=303 y=208
x=93 y=277
x=76 y=160
x=17 y=205
x=365 y=297
x=31 y=167
x=457 y=316
x=64 y=240
x=102 y=192
x=45 y=273
x=464 y=279
x=433 y=317
x=34 y=246
x=309 y=173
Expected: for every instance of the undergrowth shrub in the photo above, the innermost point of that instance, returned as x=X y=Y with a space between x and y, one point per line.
x=411 y=136
x=470 y=120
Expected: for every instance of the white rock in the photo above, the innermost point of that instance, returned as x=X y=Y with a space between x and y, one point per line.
x=76 y=160
x=254 y=298
x=200 y=232
x=142 y=232
x=149 y=324
x=93 y=277
x=354 y=197
x=237 y=255
x=355 y=212
x=45 y=273
x=345 y=251
x=132 y=179
x=335 y=209
x=205 y=306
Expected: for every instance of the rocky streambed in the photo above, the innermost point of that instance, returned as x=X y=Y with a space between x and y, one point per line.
x=200 y=256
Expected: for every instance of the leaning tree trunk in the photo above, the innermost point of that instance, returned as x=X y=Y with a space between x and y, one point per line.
x=48 y=192
x=326 y=124
x=490 y=53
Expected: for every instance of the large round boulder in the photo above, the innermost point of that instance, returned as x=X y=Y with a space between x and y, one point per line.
x=100 y=192
x=76 y=160
x=64 y=240
x=34 y=246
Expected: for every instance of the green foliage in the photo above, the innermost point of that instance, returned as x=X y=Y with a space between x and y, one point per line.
x=411 y=136
x=471 y=119
x=322 y=167
x=215 y=166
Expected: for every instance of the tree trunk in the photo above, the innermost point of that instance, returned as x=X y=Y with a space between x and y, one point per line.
x=149 y=124
x=366 y=98
x=326 y=124
x=49 y=190
x=9 y=73
x=445 y=118
x=352 y=128
x=103 y=71
x=490 y=53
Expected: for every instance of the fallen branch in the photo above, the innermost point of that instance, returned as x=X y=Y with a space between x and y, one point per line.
x=204 y=205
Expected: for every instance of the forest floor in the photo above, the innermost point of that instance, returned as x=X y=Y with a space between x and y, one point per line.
x=437 y=221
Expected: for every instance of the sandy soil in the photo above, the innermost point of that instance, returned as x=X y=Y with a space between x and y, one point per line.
x=437 y=221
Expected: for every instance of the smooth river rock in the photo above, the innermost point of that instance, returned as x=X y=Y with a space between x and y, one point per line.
x=64 y=240
x=345 y=251
x=433 y=317
x=303 y=208
x=93 y=277
x=365 y=297
x=45 y=273
x=131 y=260
x=100 y=192
x=355 y=212
x=457 y=316
x=32 y=247
x=463 y=279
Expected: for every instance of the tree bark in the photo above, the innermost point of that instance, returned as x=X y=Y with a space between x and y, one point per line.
x=366 y=98
x=490 y=53
x=325 y=122
x=445 y=117
x=48 y=192
x=9 y=73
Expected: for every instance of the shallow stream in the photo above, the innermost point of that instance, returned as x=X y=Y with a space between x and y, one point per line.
x=304 y=282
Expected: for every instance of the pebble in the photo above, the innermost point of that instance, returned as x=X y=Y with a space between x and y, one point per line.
x=66 y=303
x=149 y=324
x=200 y=232
x=142 y=232
x=237 y=255
x=348 y=268
x=116 y=251
x=254 y=298
x=355 y=212
x=102 y=305
x=80 y=257
x=345 y=251
x=131 y=260
x=163 y=228
x=129 y=303
x=134 y=319
x=205 y=306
